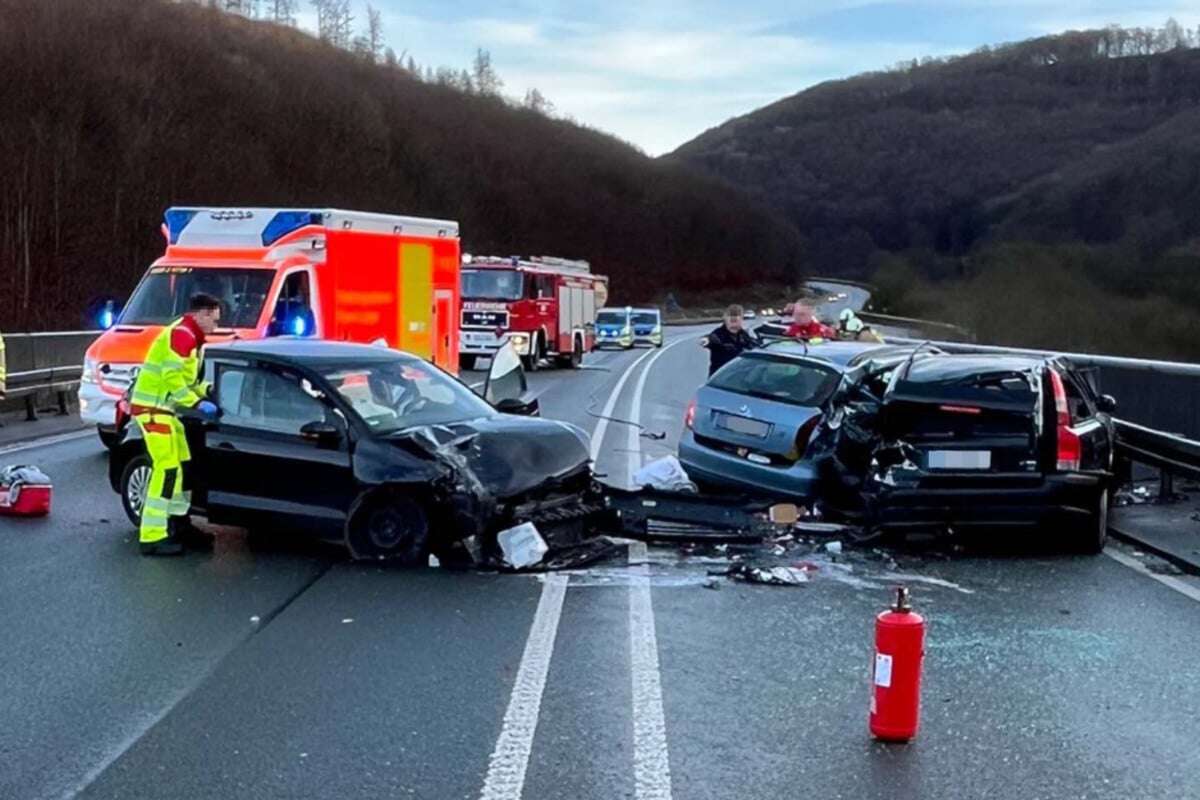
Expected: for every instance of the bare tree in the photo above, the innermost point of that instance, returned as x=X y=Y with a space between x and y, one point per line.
x=334 y=22
x=486 y=81
x=374 y=32
x=246 y=8
x=282 y=12
x=536 y=101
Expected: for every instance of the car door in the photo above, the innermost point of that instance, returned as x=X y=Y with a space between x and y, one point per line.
x=260 y=466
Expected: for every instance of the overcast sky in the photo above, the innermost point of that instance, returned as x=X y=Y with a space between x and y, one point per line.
x=658 y=73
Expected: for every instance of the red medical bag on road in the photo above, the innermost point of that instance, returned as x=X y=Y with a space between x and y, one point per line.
x=24 y=492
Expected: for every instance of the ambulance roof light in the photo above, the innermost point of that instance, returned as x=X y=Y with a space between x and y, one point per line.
x=176 y=220
x=284 y=222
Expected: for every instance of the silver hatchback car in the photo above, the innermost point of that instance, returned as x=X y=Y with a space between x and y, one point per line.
x=749 y=426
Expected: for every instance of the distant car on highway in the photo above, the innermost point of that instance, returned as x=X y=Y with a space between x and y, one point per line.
x=614 y=327
x=958 y=441
x=647 y=326
x=749 y=426
x=367 y=446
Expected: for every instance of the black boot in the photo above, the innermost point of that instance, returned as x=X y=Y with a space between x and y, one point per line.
x=163 y=547
x=183 y=531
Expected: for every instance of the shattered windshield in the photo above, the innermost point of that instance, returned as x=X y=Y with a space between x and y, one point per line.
x=163 y=296
x=403 y=394
x=493 y=284
x=787 y=380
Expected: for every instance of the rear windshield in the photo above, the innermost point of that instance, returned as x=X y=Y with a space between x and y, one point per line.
x=800 y=383
x=1009 y=390
x=645 y=318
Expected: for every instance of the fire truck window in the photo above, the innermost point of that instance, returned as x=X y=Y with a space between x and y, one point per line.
x=545 y=287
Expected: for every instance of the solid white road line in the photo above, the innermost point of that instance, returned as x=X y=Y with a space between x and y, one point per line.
x=634 y=434
x=651 y=756
x=46 y=441
x=651 y=759
x=1166 y=580
x=602 y=424
x=506 y=768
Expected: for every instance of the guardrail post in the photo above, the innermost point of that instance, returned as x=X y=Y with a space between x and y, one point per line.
x=1166 y=486
x=30 y=408
x=62 y=403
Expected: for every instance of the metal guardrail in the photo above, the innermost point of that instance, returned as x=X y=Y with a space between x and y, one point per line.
x=45 y=362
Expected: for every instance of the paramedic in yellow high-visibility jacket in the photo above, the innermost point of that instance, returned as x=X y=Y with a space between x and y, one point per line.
x=168 y=383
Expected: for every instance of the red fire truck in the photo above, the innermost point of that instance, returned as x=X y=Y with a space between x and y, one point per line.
x=545 y=306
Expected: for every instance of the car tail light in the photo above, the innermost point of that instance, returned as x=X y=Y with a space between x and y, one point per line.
x=1068 y=445
x=689 y=417
x=803 y=436
x=961 y=409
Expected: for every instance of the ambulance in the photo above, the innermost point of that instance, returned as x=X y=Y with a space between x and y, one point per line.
x=325 y=273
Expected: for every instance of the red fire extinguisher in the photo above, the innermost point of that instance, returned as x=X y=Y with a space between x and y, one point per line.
x=896 y=674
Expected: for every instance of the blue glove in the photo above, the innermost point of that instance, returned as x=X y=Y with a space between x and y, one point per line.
x=208 y=409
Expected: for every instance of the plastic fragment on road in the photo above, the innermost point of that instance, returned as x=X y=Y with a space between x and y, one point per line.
x=784 y=514
x=771 y=576
x=833 y=548
x=25 y=491
x=522 y=545
x=665 y=474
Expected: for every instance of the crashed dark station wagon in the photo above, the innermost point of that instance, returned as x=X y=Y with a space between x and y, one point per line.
x=971 y=440
x=368 y=446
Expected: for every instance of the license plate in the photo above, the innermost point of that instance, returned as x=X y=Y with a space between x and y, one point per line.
x=743 y=425
x=960 y=459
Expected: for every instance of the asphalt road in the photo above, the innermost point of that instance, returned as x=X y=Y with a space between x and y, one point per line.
x=296 y=674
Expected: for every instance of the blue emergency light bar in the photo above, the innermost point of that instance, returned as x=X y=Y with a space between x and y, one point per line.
x=281 y=223
x=285 y=222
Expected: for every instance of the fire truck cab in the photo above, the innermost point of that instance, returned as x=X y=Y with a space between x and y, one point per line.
x=325 y=273
x=545 y=306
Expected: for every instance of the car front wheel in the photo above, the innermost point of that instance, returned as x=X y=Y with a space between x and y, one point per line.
x=135 y=484
x=389 y=526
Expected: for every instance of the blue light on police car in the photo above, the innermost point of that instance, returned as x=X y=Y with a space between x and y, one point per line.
x=299 y=326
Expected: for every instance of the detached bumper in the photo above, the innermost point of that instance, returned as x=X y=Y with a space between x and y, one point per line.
x=97 y=406
x=1002 y=501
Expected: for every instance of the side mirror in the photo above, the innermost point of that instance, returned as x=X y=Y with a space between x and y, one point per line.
x=506 y=378
x=322 y=433
x=515 y=405
x=1106 y=403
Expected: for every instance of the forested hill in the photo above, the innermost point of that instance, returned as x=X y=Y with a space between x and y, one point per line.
x=1087 y=137
x=114 y=110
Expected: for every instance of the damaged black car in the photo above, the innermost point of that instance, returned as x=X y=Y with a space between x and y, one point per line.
x=957 y=441
x=373 y=448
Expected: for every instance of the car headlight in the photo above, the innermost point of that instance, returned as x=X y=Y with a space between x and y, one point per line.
x=89 y=371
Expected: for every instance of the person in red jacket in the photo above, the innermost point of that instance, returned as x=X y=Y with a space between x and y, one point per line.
x=806 y=326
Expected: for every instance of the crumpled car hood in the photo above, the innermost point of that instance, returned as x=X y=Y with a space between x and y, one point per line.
x=509 y=455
